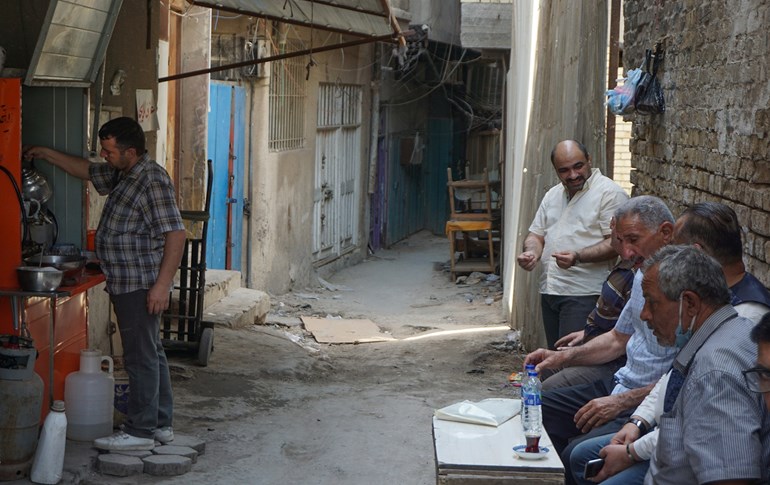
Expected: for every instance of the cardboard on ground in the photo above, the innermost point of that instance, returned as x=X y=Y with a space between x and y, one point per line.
x=341 y=331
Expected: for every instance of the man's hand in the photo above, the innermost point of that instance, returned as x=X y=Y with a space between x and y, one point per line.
x=627 y=434
x=527 y=260
x=157 y=299
x=565 y=259
x=570 y=340
x=615 y=461
x=597 y=412
x=545 y=359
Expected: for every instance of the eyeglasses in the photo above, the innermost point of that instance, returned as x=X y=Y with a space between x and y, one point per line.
x=757 y=379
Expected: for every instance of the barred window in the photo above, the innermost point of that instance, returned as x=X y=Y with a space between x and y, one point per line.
x=339 y=105
x=288 y=95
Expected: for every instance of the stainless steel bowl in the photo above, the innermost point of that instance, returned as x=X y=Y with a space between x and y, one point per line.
x=36 y=278
x=72 y=266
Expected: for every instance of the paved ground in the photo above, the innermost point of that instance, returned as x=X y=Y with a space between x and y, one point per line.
x=275 y=407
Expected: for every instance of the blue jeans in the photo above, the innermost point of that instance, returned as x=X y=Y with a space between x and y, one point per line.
x=589 y=450
x=565 y=314
x=150 y=401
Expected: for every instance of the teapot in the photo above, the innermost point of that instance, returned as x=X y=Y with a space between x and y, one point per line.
x=34 y=185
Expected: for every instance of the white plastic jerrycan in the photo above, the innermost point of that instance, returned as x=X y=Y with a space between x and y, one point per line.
x=89 y=396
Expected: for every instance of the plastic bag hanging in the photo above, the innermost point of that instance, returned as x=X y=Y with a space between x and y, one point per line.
x=620 y=99
x=650 y=100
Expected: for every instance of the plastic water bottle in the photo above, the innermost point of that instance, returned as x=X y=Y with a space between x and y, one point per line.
x=49 y=456
x=531 y=419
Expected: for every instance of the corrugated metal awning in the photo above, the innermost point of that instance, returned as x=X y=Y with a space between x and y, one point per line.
x=370 y=20
x=363 y=18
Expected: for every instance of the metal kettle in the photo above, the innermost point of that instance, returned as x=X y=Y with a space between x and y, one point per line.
x=34 y=185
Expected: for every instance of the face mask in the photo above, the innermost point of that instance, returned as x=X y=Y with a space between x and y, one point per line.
x=682 y=337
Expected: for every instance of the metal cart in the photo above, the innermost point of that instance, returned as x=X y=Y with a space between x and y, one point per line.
x=182 y=326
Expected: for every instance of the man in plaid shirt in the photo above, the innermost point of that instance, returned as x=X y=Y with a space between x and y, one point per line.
x=139 y=242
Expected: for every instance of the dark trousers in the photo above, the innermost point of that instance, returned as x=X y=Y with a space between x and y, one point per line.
x=559 y=408
x=150 y=402
x=565 y=314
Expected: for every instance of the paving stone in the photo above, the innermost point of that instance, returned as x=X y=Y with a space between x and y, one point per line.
x=177 y=450
x=166 y=465
x=119 y=465
x=137 y=453
x=196 y=444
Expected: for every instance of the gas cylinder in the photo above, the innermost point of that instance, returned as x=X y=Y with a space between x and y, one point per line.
x=88 y=394
x=21 y=404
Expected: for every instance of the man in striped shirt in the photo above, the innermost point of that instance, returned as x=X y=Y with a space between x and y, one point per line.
x=715 y=428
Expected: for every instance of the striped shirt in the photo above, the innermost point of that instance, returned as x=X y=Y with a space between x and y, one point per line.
x=646 y=359
x=717 y=429
x=139 y=211
x=612 y=300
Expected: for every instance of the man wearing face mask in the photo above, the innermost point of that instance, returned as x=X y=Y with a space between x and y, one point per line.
x=704 y=402
x=713 y=228
x=707 y=403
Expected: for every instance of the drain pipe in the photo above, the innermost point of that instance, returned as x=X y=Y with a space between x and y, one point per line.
x=374 y=137
x=247 y=200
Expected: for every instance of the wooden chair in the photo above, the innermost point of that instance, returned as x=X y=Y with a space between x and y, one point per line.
x=479 y=216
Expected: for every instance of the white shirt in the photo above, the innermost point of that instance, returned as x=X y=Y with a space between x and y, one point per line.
x=573 y=224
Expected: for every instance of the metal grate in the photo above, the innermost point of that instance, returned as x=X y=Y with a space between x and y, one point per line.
x=336 y=209
x=339 y=105
x=288 y=94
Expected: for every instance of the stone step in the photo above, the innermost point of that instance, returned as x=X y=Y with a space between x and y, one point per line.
x=219 y=284
x=240 y=308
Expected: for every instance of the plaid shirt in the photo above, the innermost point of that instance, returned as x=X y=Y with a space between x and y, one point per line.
x=140 y=210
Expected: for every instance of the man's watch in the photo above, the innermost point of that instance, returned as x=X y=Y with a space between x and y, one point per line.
x=639 y=424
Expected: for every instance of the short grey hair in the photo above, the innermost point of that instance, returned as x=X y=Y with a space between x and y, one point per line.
x=687 y=268
x=651 y=211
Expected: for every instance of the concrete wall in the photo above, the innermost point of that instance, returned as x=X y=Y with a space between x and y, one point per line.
x=486 y=24
x=281 y=228
x=442 y=16
x=712 y=141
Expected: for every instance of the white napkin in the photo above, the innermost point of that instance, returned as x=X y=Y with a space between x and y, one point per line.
x=489 y=412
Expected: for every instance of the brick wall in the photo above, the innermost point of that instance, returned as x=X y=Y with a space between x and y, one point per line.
x=712 y=142
x=622 y=162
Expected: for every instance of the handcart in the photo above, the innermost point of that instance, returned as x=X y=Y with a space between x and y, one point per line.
x=182 y=327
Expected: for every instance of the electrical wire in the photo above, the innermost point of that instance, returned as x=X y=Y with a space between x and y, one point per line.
x=25 y=221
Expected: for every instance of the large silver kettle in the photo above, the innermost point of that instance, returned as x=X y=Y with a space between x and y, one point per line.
x=34 y=185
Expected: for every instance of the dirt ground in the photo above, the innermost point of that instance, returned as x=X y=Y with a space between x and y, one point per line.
x=276 y=407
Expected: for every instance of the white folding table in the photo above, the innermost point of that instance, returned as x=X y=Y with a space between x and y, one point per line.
x=477 y=454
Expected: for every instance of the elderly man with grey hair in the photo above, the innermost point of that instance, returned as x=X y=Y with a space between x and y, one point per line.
x=714 y=229
x=642 y=226
x=712 y=428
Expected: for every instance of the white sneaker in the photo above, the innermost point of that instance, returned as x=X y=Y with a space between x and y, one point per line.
x=122 y=441
x=164 y=435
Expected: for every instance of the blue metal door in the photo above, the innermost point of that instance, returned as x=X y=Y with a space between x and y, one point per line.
x=227 y=104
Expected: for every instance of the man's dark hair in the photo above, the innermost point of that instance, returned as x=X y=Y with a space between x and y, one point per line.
x=761 y=332
x=715 y=228
x=580 y=146
x=126 y=132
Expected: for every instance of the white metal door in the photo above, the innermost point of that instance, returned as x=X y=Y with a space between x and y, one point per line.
x=337 y=170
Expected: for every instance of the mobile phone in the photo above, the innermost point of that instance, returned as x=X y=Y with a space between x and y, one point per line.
x=593 y=467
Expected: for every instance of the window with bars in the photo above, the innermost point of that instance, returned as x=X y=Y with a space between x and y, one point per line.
x=339 y=105
x=288 y=94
